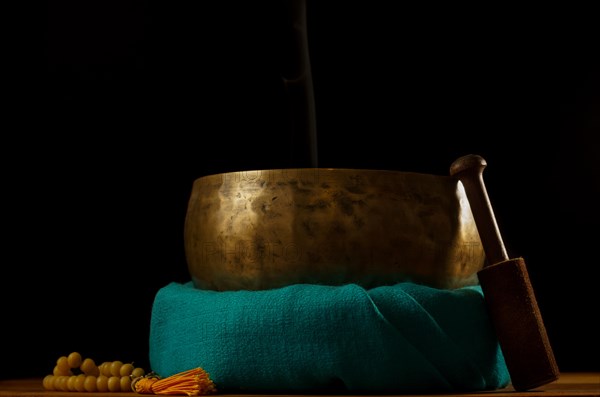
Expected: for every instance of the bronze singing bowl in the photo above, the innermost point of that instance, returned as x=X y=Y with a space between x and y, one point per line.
x=254 y=230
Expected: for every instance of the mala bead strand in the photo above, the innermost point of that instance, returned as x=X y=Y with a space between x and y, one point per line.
x=73 y=373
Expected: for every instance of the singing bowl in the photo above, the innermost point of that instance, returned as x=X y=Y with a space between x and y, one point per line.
x=264 y=229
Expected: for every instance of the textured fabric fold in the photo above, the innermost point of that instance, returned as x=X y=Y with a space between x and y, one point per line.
x=400 y=338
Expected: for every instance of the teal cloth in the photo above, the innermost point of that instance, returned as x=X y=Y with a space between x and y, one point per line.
x=304 y=337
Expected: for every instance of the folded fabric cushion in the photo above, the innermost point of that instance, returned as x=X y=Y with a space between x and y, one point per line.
x=401 y=338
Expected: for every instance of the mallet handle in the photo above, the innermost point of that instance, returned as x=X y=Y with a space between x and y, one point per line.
x=469 y=170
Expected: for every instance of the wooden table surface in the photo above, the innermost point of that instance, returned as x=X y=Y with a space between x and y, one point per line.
x=569 y=384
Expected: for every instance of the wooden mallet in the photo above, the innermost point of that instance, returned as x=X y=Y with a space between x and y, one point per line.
x=507 y=290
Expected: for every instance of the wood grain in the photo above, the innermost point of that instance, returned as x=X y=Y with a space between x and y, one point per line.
x=585 y=384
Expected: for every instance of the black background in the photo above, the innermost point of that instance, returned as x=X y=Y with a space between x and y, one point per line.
x=134 y=100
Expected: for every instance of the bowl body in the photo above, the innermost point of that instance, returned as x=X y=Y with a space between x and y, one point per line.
x=266 y=229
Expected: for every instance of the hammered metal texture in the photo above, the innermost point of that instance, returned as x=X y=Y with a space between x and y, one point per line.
x=266 y=229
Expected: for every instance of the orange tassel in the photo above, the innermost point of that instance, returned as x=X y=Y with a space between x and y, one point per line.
x=193 y=382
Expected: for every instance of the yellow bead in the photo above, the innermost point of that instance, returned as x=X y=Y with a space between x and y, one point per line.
x=63 y=363
x=63 y=383
x=90 y=383
x=114 y=384
x=74 y=360
x=102 y=383
x=105 y=368
x=56 y=380
x=126 y=369
x=80 y=383
x=125 y=383
x=115 y=368
x=59 y=371
x=48 y=382
x=71 y=383
x=137 y=372
x=88 y=366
